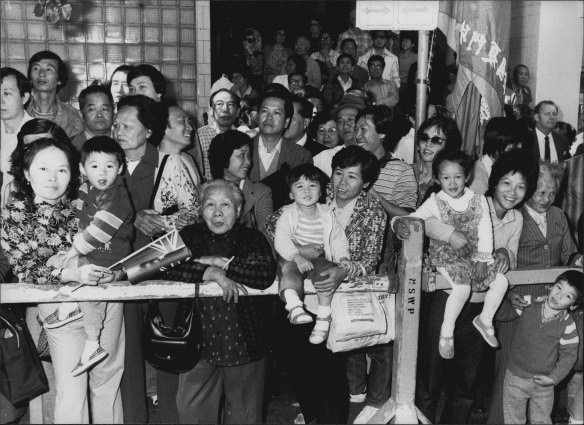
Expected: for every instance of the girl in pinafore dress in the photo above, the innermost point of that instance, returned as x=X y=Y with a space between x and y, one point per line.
x=468 y=212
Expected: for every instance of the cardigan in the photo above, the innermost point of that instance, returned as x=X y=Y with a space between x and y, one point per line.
x=253 y=265
x=336 y=245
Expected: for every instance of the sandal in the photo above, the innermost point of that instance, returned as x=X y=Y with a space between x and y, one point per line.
x=446 y=347
x=318 y=336
x=299 y=316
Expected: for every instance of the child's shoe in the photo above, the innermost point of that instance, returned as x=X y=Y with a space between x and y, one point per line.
x=54 y=321
x=298 y=316
x=321 y=330
x=446 y=347
x=98 y=355
x=488 y=332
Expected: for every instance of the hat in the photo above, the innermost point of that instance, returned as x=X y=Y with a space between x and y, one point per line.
x=351 y=99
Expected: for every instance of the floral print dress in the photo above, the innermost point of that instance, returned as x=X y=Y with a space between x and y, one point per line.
x=32 y=232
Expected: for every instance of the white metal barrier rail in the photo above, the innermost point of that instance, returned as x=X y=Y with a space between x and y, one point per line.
x=407 y=285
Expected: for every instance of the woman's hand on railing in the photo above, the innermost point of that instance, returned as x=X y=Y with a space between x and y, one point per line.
x=212 y=260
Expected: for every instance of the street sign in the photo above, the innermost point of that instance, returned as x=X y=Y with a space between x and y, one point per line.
x=397 y=15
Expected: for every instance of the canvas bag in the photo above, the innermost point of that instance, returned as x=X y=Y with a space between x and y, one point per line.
x=361 y=319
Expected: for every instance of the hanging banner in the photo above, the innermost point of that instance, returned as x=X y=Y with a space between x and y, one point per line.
x=478 y=31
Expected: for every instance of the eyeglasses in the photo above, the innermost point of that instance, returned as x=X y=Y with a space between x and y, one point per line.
x=325 y=37
x=331 y=131
x=297 y=82
x=346 y=121
x=377 y=65
x=435 y=140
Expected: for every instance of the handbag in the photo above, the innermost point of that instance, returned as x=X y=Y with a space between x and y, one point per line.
x=21 y=372
x=361 y=319
x=173 y=349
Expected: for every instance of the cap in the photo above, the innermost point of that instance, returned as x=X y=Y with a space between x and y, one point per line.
x=351 y=99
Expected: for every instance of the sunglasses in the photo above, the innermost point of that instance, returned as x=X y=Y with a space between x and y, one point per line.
x=435 y=140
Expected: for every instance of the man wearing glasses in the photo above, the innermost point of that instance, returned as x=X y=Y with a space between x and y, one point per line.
x=385 y=91
x=224 y=108
x=391 y=70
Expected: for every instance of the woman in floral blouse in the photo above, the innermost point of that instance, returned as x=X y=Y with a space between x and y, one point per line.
x=38 y=223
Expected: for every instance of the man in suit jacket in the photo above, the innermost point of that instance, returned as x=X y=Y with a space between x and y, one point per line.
x=97 y=109
x=546 y=116
x=296 y=132
x=273 y=154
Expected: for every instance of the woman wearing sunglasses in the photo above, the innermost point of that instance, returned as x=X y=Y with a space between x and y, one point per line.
x=434 y=135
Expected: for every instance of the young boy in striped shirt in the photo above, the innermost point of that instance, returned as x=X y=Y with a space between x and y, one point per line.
x=543 y=352
x=309 y=240
x=104 y=214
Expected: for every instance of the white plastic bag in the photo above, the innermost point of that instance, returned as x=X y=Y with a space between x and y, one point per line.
x=361 y=319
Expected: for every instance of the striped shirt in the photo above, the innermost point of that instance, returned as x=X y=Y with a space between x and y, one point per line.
x=309 y=231
x=105 y=223
x=397 y=184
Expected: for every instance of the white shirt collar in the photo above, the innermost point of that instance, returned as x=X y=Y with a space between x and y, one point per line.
x=302 y=141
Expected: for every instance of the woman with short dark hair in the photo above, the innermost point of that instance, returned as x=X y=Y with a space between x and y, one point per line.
x=230 y=159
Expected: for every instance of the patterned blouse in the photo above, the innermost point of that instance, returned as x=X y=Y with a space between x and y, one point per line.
x=34 y=231
x=177 y=188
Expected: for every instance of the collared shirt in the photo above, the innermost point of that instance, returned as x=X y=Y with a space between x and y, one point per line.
x=265 y=156
x=405 y=147
x=385 y=91
x=541 y=145
x=346 y=86
x=391 y=70
x=65 y=116
x=324 y=159
x=332 y=57
x=343 y=215
x=540 y=219
x=506 y=231
x=302 y=141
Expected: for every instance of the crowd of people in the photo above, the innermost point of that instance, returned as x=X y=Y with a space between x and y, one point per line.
x=309 y=166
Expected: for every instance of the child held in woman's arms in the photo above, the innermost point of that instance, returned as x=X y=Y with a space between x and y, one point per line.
x=468 y=212
x=104 y=215
x=543 y=351
x=309 y=240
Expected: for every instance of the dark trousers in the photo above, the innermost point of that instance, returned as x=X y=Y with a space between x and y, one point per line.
x=458 y=375
x=319 y=377
x=133 y=384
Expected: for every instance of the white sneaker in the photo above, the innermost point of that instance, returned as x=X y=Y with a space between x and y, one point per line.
x=358 y=398
x=299 y=419
x=366 y=414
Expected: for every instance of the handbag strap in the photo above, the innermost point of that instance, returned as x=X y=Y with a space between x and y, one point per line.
x=157 y=182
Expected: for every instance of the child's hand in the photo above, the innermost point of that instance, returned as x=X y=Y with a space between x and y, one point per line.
x=516 y=300
x=402 y=229
x=311 y=251
x=480 y=271
x=303 y=264
x=351 y=267
x=544 y=381
x=459 y=242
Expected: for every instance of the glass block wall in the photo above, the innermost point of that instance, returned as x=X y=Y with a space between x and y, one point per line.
x=103 y=34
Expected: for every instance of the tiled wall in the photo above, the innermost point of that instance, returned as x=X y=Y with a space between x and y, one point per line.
x=103 y=34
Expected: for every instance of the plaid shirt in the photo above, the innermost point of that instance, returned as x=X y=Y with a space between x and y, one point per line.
x=363 y=40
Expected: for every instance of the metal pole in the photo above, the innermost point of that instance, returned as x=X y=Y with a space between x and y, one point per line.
x=421 y=81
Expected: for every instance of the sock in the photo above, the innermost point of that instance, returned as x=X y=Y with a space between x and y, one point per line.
x=66 y=308
x=493 y=298
x=90 y=347
x=454 y=306
x=324 y=310
x=291 y=298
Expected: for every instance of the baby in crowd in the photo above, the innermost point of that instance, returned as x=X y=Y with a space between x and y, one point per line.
x=105 y=215
x=468 y=212
x=543 y=351
x=309 y=240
